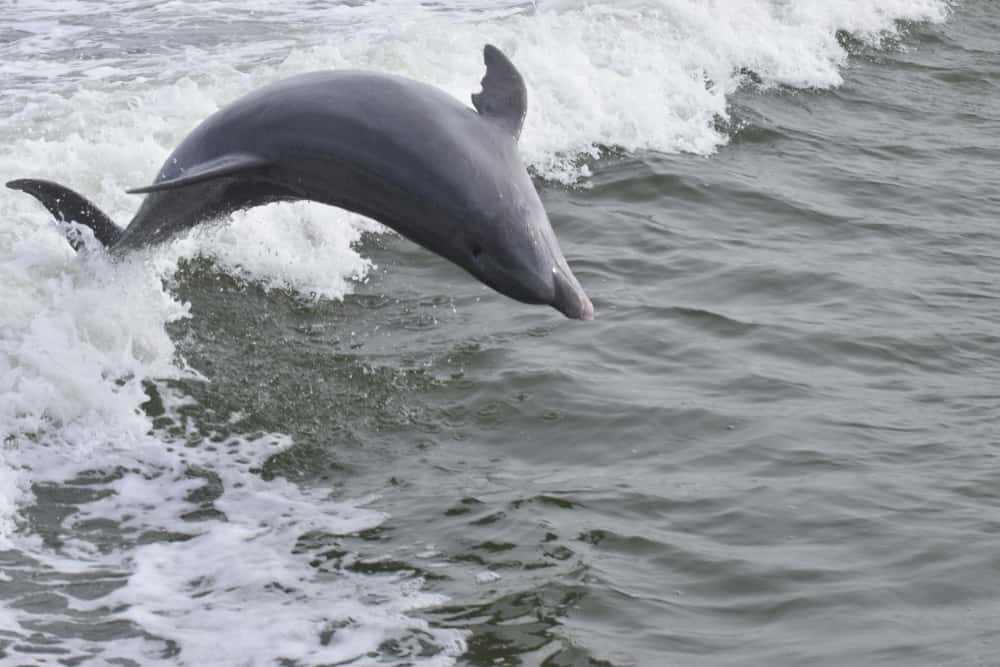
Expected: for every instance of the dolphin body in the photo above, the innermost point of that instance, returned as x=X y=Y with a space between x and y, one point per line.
x=402 y=152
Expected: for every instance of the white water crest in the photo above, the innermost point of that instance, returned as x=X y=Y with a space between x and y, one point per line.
x=96 y=100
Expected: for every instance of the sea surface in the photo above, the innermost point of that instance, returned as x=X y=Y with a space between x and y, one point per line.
x=294 y=438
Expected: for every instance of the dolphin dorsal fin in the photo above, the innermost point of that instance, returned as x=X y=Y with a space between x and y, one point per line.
x=231 y=164
x=504 y=98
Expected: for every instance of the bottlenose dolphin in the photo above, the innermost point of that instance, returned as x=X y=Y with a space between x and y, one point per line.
x=402 y=152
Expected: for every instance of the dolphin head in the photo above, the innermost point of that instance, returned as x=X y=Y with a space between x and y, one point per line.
x=507 y=242
x=536 y=274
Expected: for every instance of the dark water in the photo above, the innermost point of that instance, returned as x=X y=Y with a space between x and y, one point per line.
x=776 y=444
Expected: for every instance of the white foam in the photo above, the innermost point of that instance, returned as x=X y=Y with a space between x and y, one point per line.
x=302 y=246
x=634 y=75
x=77 y=336
x=244 y=583
x=487 y=577
x=247 y=559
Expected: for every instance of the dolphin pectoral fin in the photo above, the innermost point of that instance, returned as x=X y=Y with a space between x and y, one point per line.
x=233 y=164
x=504 y=98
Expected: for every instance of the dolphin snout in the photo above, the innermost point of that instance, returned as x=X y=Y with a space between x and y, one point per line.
x=569 y=298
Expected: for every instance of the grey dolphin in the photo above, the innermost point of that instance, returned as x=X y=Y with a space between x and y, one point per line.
x=402 y=152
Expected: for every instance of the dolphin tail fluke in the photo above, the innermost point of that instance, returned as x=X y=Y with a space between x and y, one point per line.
x=68 y=206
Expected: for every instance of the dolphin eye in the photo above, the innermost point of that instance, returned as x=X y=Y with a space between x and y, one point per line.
x=477 y=250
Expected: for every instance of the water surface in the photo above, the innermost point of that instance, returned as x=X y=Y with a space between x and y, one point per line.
x=296 y=439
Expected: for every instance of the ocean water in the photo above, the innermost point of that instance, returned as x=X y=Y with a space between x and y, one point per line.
x=294 y=438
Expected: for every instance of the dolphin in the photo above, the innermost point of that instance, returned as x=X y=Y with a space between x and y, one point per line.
x=402 y=152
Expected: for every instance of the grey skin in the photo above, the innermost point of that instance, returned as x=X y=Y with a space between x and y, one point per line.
x=402 y=152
